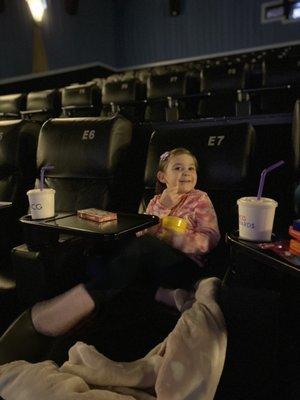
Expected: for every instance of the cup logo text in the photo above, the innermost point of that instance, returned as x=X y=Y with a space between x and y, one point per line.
x=36 y=206
x=243 y=222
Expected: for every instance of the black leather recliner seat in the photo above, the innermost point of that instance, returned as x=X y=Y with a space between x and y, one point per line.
x=11 y=105
x=88 y=155
x=42 y=105
x=91 y=169
x=224 y=153
x=282 y=78
x=81 y=100
x=170 y=96
x=221 y=83
x=126 y=97
x=18 y=142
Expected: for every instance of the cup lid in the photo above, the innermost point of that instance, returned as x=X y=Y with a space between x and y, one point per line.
x=39 y=191
x=252 y=201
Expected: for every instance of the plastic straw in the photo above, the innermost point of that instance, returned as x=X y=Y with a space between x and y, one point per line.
x=263 y=176
x=42 y=175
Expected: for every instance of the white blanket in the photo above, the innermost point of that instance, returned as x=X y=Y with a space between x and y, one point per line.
x=186 y=365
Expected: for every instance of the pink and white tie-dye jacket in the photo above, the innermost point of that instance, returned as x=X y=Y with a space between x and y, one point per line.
x=203 y=232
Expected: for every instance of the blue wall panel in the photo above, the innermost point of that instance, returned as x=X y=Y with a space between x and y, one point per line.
x=15 y=40
x=147 y=33
x=83 y=38
x=128 y=33
x=70 y=40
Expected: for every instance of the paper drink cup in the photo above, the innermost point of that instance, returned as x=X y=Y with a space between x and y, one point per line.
x=174 y=229
x=256 y=218
x=41 y=203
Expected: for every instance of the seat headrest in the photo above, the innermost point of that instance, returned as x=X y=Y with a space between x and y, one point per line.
x=282 y=72
x=83 y=147
x=223 y=77
x=46 y=100
x=12 y=104
x=85 y=95
x=121 y=92
x=172 y=84
x=223 y=152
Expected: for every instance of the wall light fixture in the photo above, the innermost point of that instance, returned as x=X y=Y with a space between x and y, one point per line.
x=37 y=9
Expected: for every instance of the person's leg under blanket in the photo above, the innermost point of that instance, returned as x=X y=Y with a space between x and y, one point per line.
x=144 y=261
x=125 y=328
x=148 y=261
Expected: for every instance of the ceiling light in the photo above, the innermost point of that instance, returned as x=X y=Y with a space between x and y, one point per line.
x=37 y=9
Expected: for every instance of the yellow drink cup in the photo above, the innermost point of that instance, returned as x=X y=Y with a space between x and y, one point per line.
x=174 y=224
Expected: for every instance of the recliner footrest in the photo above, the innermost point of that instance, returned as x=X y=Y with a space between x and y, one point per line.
x=21 y=341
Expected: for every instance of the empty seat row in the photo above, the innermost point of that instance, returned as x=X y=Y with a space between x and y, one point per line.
x=37 y=106
x=217 y=90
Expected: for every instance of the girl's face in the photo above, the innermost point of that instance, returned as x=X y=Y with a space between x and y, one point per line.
x=181 y=172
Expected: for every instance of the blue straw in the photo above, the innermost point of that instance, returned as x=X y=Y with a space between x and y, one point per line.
x=263 y=176
x=42 y=175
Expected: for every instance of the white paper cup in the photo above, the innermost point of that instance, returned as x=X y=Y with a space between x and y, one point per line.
x=41 y=203
x=256 y=218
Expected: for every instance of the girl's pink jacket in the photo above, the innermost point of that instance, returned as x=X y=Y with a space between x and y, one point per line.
x=203 y=231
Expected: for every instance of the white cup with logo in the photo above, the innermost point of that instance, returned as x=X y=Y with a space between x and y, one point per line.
x=256 y=218
x=41 y=203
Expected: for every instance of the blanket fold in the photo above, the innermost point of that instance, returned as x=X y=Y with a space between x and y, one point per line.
x=186 y=365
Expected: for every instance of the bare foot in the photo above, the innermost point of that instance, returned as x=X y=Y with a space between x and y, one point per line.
x=57 y=316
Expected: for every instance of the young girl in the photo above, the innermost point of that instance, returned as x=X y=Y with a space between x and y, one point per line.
x=176 y=181
x=153 y=259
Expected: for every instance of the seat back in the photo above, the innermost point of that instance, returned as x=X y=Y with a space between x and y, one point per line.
x=165 y=94
x=42 y=105
x=81 y=100
x=18 y=142
x=223 y=153
x=283 y=74
x=89 y=156
x=222 y=81
x=223 y=77
x=278 y=139
x=125 y=97
x=11 y=105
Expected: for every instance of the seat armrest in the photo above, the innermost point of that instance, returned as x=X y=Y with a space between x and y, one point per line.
x=50 y=270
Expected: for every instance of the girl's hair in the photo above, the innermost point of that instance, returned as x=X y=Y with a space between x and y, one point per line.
x=164 y=161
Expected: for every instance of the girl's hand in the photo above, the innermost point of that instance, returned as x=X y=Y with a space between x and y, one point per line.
x=170 y=197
